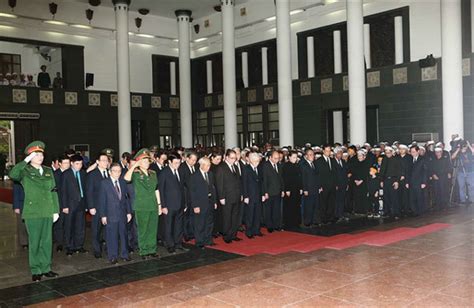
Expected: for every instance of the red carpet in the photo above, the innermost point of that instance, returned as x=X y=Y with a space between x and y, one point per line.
x=6 y=195
x=281 y=242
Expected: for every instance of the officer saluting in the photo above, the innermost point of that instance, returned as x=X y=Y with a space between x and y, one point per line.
x=41 y=208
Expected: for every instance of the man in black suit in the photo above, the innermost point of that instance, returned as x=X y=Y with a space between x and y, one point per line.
x=73 y=203
x=230 y=195
x=93 y=190
x=187 y=169
x=202 y=192
x=253 y=197
x=311 y=189
x=171 y=190
x=416 y=181
x=273 y=191
x=325 y=167
x=125 y=162
x=342 y=183
x=159 y=162
x=58 y=227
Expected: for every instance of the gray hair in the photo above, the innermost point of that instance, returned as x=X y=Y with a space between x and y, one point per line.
x=204 y=160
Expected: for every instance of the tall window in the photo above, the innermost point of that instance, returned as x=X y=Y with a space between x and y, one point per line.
x=10 y=63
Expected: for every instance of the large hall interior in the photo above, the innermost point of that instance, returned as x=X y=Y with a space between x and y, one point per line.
x=236 y=153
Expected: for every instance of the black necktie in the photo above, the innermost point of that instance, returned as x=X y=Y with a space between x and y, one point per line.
x=311 y=164
x=192 y=170
x=328 y=160
x=206 y=177
x=117 y=188
x=104 y=174
x=233 y=169
x=176 y=175
x=275 y=167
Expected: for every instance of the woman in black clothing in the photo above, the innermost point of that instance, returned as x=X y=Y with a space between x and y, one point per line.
x=216 y=159
x=360 y=175
x=293 y=188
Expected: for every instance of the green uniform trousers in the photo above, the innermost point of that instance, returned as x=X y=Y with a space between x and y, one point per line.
x=40 y=244
x=147 y=225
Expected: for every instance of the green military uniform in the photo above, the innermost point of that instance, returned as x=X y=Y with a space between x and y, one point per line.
x=41 y=202
x=145 y=206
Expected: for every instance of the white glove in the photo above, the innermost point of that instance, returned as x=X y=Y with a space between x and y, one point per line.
x=55 y=217
x=30 y=157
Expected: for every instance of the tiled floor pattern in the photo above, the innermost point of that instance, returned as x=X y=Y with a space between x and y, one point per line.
x=431 y=270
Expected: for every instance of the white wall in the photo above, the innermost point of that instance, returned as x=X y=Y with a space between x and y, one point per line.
x=29 y=59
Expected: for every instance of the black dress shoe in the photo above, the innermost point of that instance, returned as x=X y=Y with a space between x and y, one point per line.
x=249 y=236
x=51 y=274
x=82 y=250
x=113 y=261
x=25 y=247
x=237 y=239
x=241 y=229
x=200 y=247
x=97 y=255
x=270 y=230
x=153 y=255
x=59 y=248
x=259 y=234
x=128 y=259
x=211 y=244
x=171 y=250
x=69 y=253
x=182 y=248
x=228 y=241
x=36 y=278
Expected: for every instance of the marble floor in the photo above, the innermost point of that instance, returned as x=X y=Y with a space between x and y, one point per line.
x=434 y=269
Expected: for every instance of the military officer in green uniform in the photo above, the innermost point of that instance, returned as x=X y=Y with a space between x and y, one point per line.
x=41 y=208
x=147 y=202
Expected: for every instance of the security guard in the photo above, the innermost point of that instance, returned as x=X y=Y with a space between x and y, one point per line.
x=146 y=203
x=41 y=208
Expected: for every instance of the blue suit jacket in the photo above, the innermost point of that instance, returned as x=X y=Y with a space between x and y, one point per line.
x=171 y=191
x=310 y=177
x=70 y=193
x=94 y=178
x=18 y=196
x=109 y=204
x=201 y=194
x=252 y=188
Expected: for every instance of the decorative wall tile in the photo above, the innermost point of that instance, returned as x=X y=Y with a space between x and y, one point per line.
x=136 y=101
x=156 y=102
x=252 y=95
x=237 y=97
x=94 y=99
x=46 y=97
x=326 y=85
x=220 y=100
x=70 y=98
x=268 y=93
x=113 y=100
x=466 y=67
x=19 y=96
x=208 y=101
x=429 y=73
x=400 y=75
x=345 y=83
x=305 y=88
x=174 y=102
x=373 y=79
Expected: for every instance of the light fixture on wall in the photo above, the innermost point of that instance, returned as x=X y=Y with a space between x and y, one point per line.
x=89 y=15
x=94 y=2
x=138 y=23
x=53 y=9
x=12 y=4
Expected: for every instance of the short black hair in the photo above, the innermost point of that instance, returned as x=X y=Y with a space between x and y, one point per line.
x=159 y=153
x=174 y=156
x=76 y=157
x=63 y=157
x=306 y=151
x=102 y=154
x=326 y=145
x=115 y=165
x=126 y=155
x=228 y=152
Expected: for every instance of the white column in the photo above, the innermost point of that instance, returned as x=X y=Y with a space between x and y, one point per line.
x=245 y=69
x=185 y=110
x=173 y=77
x=355 y=44
x=451 y=46
x=337 y=52
x=472 y=25
x=338 y=126
x=228 y=63
x=123 y=76
x=12 y=143
x=264 y=66
x=285 y=89
x=368 y=59
x=310 y=55
x=398 y=40
x=209 y=76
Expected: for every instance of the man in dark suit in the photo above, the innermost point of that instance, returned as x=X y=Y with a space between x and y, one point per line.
x=202 y=192
x=230 y=195
x=18 y=201
x=273 y=191
x=159 y=162
x=311 y=189
x=252 y=193
x=342 y=183
x=325 y=167
x=187 y=169
x=125 y=162
x=58 y=226
x=93 y=190
x=115 y=211
x=73 y=203
x=417 y=181
x=171 y=190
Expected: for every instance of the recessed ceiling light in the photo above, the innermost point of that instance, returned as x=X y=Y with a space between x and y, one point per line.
x=145 y=35
x=202 y=39
x=296 y=12
x=8 y=15
x=82 y=26
x=176 y=40
x=270 y=18
x=55 y=22
x=131 y=33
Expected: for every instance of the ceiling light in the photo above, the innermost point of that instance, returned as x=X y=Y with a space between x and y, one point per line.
x=200 y=39
x=6 y=27
x=145 y=35
x=270 y=18
x=8 y=15
x=131 y=33
x=294 y=12
x=81 y=26
x=176 y=40
x=55 y=22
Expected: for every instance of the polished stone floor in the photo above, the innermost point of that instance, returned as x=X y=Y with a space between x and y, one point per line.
x=434 y=269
